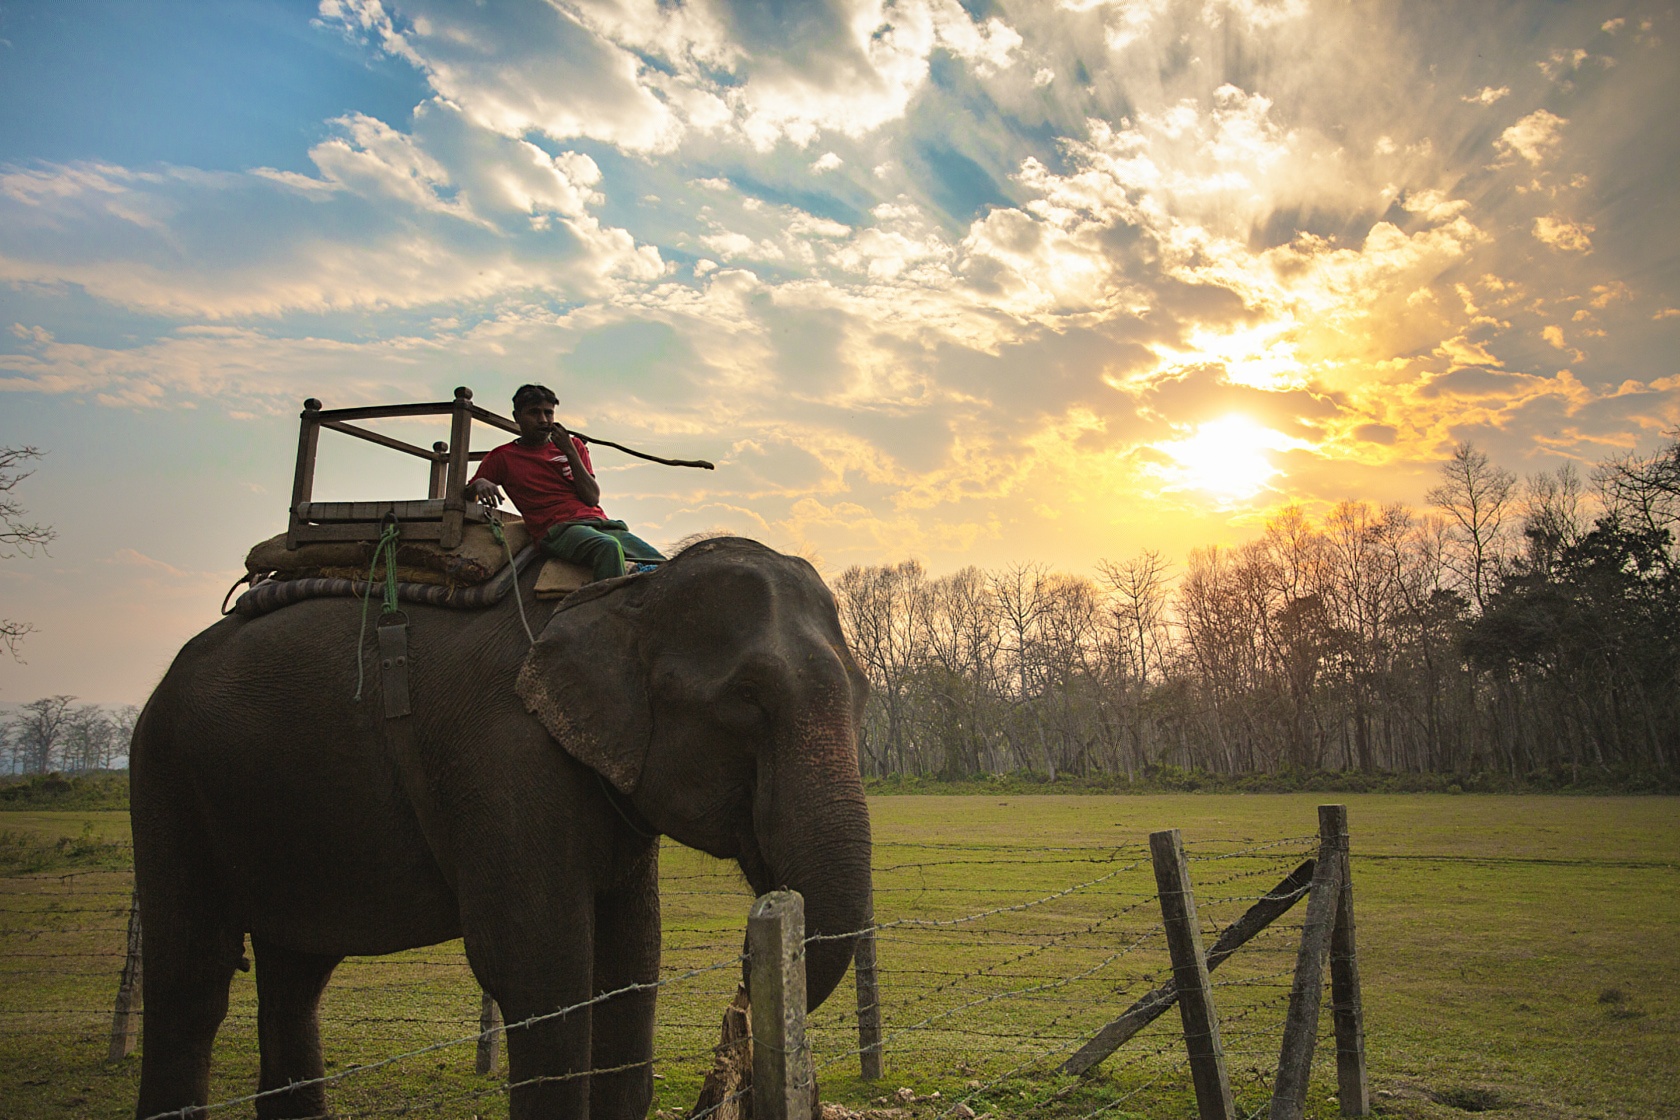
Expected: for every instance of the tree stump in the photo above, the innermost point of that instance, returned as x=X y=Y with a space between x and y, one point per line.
x=726 y=1093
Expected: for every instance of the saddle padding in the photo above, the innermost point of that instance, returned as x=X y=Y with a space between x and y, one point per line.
x=559 y=579
x=476 y=559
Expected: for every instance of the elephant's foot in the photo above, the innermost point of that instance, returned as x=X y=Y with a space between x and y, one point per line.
x=289 y=987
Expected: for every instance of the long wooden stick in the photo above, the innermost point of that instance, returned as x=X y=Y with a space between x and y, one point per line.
x=1272 y=906
x=701 y=463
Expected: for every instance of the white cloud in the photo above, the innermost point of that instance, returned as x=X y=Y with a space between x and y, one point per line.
x=1535 y=137
x=1561 y=233
x=520 y=69
x=1487 y=95
x=447 y=212
x=646 y=76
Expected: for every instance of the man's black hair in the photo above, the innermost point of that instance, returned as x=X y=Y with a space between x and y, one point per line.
x=525 y=394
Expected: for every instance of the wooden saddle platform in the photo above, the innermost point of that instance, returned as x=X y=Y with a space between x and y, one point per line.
x=448 y=553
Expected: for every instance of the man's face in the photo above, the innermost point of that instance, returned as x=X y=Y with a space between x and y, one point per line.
x=535 y=420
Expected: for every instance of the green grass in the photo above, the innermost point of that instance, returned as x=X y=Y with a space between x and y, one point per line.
x=1517 y=955
x=105 y=789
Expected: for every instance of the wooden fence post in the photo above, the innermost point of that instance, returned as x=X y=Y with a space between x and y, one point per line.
x=1353 y=1090
x=782 y=1074
x=125 y=1018
x=489 y=1019
x=1195 y=1001
x=1300 y=1027
x=869 y=1008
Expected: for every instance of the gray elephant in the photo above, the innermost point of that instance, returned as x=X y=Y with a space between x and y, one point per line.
x=713 y=701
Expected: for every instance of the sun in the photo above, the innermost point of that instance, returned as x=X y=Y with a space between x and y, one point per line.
x=1227 y=458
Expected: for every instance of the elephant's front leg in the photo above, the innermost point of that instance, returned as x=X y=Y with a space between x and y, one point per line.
x=626 y=954
x=534 y=974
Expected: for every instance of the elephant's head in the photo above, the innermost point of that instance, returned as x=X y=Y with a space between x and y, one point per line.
x=719 y=696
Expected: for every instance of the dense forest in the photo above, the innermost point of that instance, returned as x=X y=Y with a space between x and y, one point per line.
x=1514 y=627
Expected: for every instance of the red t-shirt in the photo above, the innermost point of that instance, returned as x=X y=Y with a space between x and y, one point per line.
x=539 y=481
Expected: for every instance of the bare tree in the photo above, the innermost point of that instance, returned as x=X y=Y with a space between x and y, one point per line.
x=1142 y=594
x=879 y=610
x=1553 y=514
x=1643 y=491
x=18 y=536
x=961 y=639
x=87 y=738
x=1143 y=642
x=1476 y=497
x=38 y=730
x=123 y=719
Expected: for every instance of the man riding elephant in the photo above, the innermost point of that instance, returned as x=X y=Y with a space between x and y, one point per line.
x=547 y=474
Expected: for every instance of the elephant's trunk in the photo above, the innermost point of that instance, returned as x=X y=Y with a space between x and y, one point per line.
x=813 y=827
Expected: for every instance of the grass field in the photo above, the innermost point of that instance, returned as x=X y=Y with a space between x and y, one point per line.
x=1520 y=957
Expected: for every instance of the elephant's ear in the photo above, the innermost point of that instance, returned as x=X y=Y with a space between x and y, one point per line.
x=585 y=682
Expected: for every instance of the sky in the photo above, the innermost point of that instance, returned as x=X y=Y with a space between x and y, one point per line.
x=971 y=282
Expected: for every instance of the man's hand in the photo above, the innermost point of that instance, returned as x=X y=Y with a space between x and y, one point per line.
x=484 y=492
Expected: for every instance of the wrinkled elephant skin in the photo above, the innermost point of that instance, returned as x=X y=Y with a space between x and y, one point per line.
x=712 y=701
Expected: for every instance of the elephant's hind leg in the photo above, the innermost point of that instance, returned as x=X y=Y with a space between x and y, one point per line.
x=188 y=966
x=289 y=987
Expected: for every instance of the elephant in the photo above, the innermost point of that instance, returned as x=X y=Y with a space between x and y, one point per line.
x=713 y=701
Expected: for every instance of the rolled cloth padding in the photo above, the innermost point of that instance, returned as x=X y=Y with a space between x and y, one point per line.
x=272 y=594
x=478 y=557
x=405 y=574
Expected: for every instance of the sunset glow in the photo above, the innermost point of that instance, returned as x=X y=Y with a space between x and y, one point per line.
x=1227 y=459
x=975 y=284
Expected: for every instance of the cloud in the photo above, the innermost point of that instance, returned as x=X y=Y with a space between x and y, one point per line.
x=648 y=77
x=1562 y=63
x=1487 y=95
x=1561 y=233
x=714 y=231
x=444 y=213
x=1535 y=137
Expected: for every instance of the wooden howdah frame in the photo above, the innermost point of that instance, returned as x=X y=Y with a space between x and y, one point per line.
x=442 y=517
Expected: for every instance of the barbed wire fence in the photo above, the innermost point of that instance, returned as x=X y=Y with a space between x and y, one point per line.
x=1007 y=979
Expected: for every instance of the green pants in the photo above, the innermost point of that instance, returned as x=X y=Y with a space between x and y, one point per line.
x=600 y=546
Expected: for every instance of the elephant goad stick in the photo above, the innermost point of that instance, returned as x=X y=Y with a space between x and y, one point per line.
x=729 y=1081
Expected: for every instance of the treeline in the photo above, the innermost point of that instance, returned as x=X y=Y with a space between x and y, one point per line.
x=56 y=734
x=1513 y=628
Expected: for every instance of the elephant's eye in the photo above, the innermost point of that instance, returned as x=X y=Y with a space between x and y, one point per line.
x=743 y=705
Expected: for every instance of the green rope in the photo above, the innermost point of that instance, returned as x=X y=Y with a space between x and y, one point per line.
x=496 y=531
x=387 y=548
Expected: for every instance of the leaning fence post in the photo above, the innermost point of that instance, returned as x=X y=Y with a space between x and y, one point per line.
x=782 y=1075
x=1346 y=1006
x=489 y=1034
x=1190 y=977
x=869 y=1007
x=125 y=1018
x=1300 y=1026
